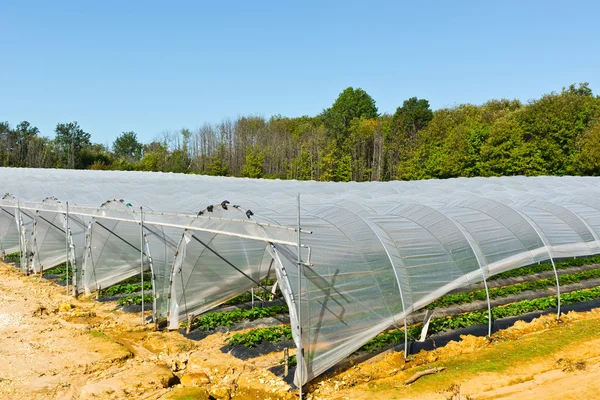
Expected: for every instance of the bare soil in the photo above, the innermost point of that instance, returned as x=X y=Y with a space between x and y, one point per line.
x=55 y=346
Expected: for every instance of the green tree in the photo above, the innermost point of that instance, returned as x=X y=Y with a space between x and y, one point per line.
x=19 y=144
x=217 y=166
x=413 y=116
x=253 y=167
x=128 y=147
x=587 y=160
x=70 y=141
x=350 y=104
x=155 y=157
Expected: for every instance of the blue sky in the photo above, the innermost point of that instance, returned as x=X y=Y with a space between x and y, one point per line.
x=152 y=66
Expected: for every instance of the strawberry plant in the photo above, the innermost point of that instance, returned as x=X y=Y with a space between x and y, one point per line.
x=135 y=300
x=227 y=318
x=254 y=337
x=505 y=291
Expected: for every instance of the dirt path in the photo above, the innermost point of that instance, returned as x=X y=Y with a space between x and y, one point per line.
x=54 y=346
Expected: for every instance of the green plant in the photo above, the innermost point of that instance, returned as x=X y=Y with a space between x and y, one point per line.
x=291 y=361
x=481 y=317
x=505 y=291
x=534 y=269
x=254 y=337
x=126 y=288
x=13 y=256
x=228 y=318
x=135 y=300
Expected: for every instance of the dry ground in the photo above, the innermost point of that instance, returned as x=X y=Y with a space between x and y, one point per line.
x=53 y=346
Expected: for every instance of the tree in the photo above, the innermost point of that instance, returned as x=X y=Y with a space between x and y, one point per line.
x=18 y=142
x=127 y=146
x=70 y=141
x=253 y=167
x=350 y=104
x=587 y=160
x=413 y=116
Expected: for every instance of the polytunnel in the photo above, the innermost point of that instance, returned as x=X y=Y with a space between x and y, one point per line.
x=352 y=259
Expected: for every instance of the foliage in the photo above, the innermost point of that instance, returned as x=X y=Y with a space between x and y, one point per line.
x=541 y=284
x=350 y=104
x=534 y=269
x=135 y=300
x=253 y=167
x=128 y=147
x=227 y=318
x=441 y=324
x=126 y=288
x=557 y=134
x=13 y=256
x=254 y=337
x=70 y=142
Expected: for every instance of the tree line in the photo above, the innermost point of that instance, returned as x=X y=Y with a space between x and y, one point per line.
x=557 y=134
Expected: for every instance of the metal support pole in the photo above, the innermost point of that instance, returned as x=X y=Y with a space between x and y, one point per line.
x=299 y=355
x=67 y=250
x=487 y=296
x=547 y=246
x=405 y=340
x=142 y=258
x=557 y=285
x=18 y=221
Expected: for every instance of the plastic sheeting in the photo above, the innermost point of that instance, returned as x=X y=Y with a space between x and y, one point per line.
x=375 y=252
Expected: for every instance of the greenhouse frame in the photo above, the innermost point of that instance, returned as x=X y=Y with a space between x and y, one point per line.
x=351 y=259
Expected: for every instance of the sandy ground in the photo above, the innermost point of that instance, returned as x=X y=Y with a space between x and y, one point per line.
x=54 y=346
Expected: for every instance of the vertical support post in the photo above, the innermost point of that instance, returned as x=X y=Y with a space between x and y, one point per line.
x=487 y=296
x=142 y=258
x=18 y=221
x=299 y=352
x=286 y=361
x=547 y=246
x=67 y=248
x=557 y=285
x=405 y=339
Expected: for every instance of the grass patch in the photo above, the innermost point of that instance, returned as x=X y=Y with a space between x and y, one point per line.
x=506 y=355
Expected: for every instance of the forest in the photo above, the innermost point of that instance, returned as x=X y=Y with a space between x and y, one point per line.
x=557 y=134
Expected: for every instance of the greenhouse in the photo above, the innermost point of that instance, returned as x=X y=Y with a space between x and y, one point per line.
x=351 y=259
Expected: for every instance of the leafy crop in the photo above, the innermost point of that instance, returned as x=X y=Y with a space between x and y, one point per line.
x=505 y=291
x=534 y=269
x=258 y=291
x=13 y=256
x=126 y=288
x=481 y=317
x=135 y=300
x=228 y=318
x=254 y=337
x=291 y=361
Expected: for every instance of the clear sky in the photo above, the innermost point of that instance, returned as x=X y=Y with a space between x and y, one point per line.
x=151 y=66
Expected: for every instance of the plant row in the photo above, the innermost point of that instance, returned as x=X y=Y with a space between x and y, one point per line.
x=13 y=256
x=535 y=269
x=126 y=288
x=442 y=324
x=253 y=337
x=505 y=291
x=436 y=325
x=214 y=320
x=135 y=300
x=258 y=292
